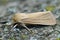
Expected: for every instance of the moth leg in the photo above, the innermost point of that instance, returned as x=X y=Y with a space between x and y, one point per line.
x=25 y=26
x=14 y=26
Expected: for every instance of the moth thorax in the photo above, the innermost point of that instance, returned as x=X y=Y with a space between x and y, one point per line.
x=23 y=16
x=19 y=17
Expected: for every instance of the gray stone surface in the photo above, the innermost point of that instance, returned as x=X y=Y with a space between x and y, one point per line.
x=28 y=6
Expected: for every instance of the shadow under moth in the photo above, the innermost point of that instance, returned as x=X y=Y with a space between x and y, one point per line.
x=40 y=18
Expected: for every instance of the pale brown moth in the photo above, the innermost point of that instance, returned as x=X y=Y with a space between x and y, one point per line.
x=41 y=18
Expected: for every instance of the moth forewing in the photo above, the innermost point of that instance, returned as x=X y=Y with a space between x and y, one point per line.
x=44 y=18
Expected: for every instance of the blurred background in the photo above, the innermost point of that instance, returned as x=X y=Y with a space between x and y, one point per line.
x=10 y=7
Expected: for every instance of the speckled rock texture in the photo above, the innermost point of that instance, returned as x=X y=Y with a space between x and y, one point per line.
x=40 y=32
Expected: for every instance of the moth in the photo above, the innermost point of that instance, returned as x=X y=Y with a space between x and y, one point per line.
x=40 y=18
